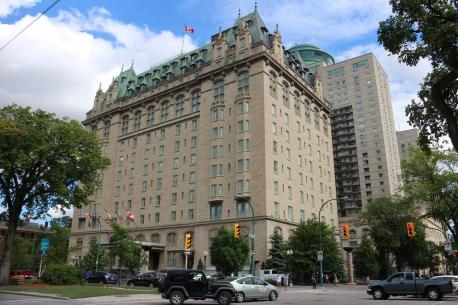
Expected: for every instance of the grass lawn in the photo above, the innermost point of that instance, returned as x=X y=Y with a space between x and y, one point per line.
x=78 y=291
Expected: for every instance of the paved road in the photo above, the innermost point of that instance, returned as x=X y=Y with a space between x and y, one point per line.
x=343 y=295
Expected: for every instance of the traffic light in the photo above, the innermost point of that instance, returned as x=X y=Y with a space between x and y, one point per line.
x=410 y=229
x=236 y=230
x=345 y=231
x=187 y=242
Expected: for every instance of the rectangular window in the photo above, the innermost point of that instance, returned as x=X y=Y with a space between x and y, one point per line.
x=216 y=210
x=194 y=125
x=191 y=196
x=217 y=115
x=161 y=150
x=177 y=146
x=302 y=215
x=290 y=192
x=173 y=216
x=243 y=145
x=175 y=180
x=193 y=142
x=243 y=209
x=276 y=187
x=158 y=200
x=242 y=107
x=290 y=213
x=193 y=159
x=174 y=198
x=217 y=170
x=144 y=186
x=274 y=147
x=216 y=190
x=190 y=214
x=176 y=162
x=158 y=183
x=244 y=125
x=243 y=165
x=156 y=217
x=276 y=209
x=192 y=177
x=243 y=186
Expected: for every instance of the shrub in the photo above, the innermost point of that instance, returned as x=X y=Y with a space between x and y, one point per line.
x=62 y=274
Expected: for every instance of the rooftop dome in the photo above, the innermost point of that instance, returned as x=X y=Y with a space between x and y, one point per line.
x=310 y=54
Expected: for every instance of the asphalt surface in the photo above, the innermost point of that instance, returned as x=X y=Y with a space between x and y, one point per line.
x=341 y=295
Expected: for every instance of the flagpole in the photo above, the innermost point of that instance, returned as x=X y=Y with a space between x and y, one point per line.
x=182 y=44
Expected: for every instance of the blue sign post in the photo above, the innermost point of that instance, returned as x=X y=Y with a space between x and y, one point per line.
x=44 y=246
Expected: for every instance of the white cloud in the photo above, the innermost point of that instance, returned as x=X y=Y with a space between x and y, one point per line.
x=57 y=64
x=9 y=6
x=404 y=80
x=59 y=212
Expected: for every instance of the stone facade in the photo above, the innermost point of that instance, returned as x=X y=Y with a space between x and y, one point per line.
x=196 y=140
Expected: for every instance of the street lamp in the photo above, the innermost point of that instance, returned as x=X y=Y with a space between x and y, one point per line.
x=321 y=242
x=290 y=253
x=252 y=236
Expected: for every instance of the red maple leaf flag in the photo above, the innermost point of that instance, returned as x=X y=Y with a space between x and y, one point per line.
x=188 y=29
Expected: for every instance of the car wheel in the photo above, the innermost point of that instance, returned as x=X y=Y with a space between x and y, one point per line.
x=240 y=297
x=224 y=298
x=434 y=294
x=176 y=298
x=272 y=295
x=378 y=293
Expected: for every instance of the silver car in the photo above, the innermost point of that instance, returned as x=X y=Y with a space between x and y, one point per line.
x=252 y=288
x=453 y=278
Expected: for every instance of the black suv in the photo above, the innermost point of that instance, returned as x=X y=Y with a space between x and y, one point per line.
x=180 y=285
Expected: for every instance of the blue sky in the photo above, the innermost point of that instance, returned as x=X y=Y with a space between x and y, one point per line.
x=59 y=62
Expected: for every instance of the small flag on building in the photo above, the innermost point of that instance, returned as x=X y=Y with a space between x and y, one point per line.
x=130 y=216
x=108 y=214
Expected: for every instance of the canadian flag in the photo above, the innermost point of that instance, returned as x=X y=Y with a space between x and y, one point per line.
x=188 y=29
x=130 y=216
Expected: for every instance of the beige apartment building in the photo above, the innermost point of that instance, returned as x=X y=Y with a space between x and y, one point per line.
x=196 y=140
x=366 y=156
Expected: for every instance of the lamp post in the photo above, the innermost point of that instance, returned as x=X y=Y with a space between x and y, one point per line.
x=321 y=242
x=290 y=253
x=252 y=236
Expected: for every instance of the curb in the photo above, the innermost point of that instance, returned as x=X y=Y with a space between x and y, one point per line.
x=36 y=294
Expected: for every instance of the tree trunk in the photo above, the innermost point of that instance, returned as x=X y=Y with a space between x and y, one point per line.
x=6 y=261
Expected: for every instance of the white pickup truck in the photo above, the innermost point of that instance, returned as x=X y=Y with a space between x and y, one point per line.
x=270 y=274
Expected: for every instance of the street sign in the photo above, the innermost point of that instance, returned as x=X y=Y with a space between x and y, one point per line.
x=44 y=245
x=251 y=235
x=448 y=245
x=187 y=252
x=253 y=253
x=319 y=255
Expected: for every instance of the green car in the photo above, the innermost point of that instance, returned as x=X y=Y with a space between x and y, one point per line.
x=252 y=288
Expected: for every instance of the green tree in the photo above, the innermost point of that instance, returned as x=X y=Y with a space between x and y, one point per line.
x=89 y=261
x=387 y=218
x=227 y=253
x=22 y=254
x=45 y=162
x=123 y=246
x=425 y=29
x=436 y=186
x=365 y=259
x=305 y=243
x=58 y=241
x=276 y=258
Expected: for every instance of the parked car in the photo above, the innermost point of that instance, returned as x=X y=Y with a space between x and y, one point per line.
x=102 y=277
x=180 y=285
x=147 y=279
x=252 y=288
x=405 y=283
x=265 y=274
x=453 y=278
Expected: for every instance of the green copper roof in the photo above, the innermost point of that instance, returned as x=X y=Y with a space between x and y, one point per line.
x=310 y=54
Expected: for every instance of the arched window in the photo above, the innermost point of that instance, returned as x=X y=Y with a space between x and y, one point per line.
x=150 y=116
x=195 y=101
x=164 y=111
x=171 y=239
x=285 y=94
x=218 y=90
x=179 y=106
x=243 y=82
x=279 y=231
x=156 y=238
x=106 y=129
x=137 y=120
x=125 y=125
x=140 y=237
x=273 y=84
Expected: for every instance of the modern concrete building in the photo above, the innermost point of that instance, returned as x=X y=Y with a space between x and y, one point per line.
x=364 y=139
x=196 y=140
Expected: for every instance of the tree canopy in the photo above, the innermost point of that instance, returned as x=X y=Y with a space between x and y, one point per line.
x=276 y=258
x=435 y=187
x=305 y=243
x=425 y=29
x=228 y=254
x=45 y=162
x=365 y=258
